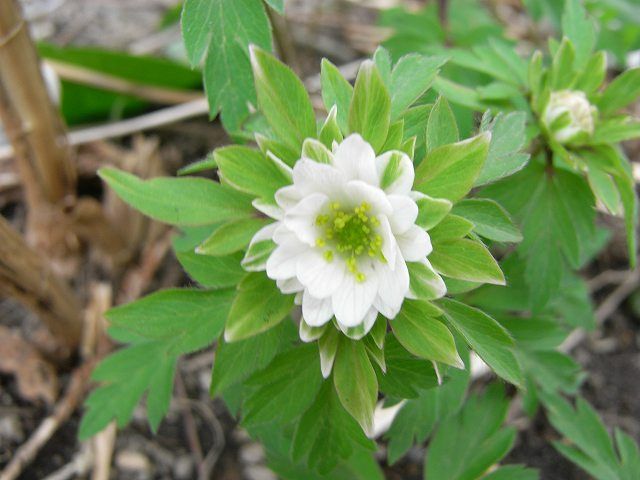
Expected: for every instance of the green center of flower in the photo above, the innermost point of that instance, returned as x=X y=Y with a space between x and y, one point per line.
x=350 y=233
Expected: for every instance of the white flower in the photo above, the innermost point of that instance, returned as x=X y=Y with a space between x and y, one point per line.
x=345 y=232
x=576 y=112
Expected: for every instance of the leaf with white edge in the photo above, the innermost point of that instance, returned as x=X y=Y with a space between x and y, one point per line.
x=369 y=113
x=418 y=329
x=466 y=259
x=208 y=163
x=284 y=152
x=442 y=128
x=356 y=383
x=505 y=156
x=336 y=92
x=604 y=188
x=250 y=171
x=450 y=171
x=410 y=79
x=424 y=282
x=315 y=150
x=284 y=389
x=486 y=337
x=394 y=136
x=179 y=201
x=328 y=347
x=231 y=237
x=622 y=91
x=259 y=250
x=259 y=305
x=330 y=130
x=326 y=434
x=382 y=59
x=431 y=211
x=490 y=220
x=283 y=99
x=221 y=31
x=580 y=29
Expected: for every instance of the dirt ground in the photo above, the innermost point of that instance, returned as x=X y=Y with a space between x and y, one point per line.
x=198 y=428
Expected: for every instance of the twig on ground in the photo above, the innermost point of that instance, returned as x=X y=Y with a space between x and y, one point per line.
x=190 y=427
x=605 y=278
x=63 y=410
x=76 y=468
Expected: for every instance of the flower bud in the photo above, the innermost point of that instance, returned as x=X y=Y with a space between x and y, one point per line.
x=569 y=114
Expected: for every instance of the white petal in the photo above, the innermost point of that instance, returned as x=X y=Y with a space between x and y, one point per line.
x=287 y=197
x=297 y=300
x=370 y=319
x=327 y=356
x=314 y=177
x=393 y=288
x=301 y=219
x=318 y=275
x=265 y=233
x=269 y=209
x=359 y=331
x=356 y=159
x=389 y=245
x=405 y=213
x=290 y=285
x=406 y=175
x=315 y=311
x=352 y=300
x=415 y=244
x=282 y=262
x=358 y=191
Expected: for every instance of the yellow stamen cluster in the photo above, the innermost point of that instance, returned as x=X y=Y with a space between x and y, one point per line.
x=350 y=233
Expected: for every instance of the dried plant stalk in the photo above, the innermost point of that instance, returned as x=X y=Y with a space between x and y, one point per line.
x=26 y=276
x=32 y=122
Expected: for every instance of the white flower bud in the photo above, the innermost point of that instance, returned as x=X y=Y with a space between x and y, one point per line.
x=568 y=114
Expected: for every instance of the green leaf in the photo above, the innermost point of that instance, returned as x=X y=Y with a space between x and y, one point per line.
x=466 y=259
x=221 y=31
x=283 y=99
x=383 y=61
x=442 y=128
x=369 y=113
x=336 y=91
x=405 y=375
x=277 y=5
x=148 y=364
x=419 y=331
x=179 y=201
x=355 y=382
x=411 y=78
x=281 y=150
x=490 y=220
x=475 y=434
x=486 y=337
x=512 y=472
x=563 y=69
x=459 y=94
x=330 y=131
x=258 y=306
x=284 y=389
x=604 y=188
x=553 y=371
x=249 y=171
x=424 y=282
x=452 y=227
x=315 y=150
x=505 y=156
x=450 y=171
x=621 y=92
x=326 y=433
x=616 y=129
x=431 y=211
x=580 y=29
x=593 y=74
x=231 y=237
x=237 y=361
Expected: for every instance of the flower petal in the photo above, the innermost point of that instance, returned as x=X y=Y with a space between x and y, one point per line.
x=359 y=331
x=358 y=192
x=415 y=244
x=405 y=213
x=315 y=311
x=287 y=197
x=389 y=245
x=352 y=300
x=290 y=285
x=282 y=262
x=301 y=219
x=311 y=334
x=356 y=159
x=400 y=170
x=313 y=177
x=319 y=276
x=393 y=288
x=269 y=209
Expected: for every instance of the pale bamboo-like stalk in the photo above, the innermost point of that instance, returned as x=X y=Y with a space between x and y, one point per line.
x=25 y=275
x=31 y=120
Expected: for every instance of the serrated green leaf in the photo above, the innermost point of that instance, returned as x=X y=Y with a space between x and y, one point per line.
x=442 y=128
x=486 y=337
x=410 y=79
x=179 y=201
x=283 y=99
x=369 y=113
x=259 y=305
